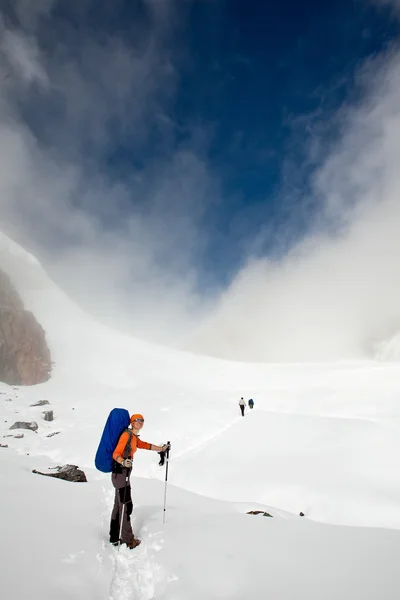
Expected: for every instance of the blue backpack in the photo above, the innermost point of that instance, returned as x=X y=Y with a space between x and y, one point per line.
x=118 y=420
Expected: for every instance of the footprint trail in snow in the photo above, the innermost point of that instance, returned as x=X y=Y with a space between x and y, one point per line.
x=136 y=572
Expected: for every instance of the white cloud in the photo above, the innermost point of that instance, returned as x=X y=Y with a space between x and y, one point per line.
x=122 y=244
x=23 y=59
x=334 y=295
x=127 y=246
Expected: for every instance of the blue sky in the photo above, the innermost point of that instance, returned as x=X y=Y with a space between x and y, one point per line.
x=158 y=149
x=259 y=74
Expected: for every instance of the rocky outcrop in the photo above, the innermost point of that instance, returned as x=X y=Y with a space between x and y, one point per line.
x=32 y=425
x=48 y=415
x=67 y=472
x=259 y=512
x=24 y=355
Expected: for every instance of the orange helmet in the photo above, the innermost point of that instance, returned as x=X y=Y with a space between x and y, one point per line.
x=136 y=416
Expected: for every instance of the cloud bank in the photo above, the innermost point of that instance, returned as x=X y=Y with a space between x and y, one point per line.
x=75 y=104
x=336 y=294
x=122 y=227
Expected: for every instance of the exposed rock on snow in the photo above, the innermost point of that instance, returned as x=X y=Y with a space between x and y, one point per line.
x=40 y=403
x=67 y=472
x=48 y=415
x=24 y=354
x=259 y=512
x=32 y=425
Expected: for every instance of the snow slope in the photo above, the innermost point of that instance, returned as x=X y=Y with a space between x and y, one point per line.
x=322 y=439
x=206 y=549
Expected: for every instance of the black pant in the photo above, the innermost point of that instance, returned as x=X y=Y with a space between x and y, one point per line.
x=242 y=409
x=122 y=507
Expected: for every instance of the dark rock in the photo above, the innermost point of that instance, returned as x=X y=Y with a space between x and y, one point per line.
x=53 y=433
x=259 y=512
x=3 y=445
x=301 y=514
x=17 y=437
x=24 y=354
x=41 y=403
x=48 y=415
x=67 y=472
x=8 y=399
x=32 y=425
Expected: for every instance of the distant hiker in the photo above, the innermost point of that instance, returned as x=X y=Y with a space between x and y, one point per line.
x=242 y=405
x=251 y=403
x=126 y=447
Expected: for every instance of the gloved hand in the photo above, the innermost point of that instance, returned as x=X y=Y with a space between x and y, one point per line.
x=127 y=463
x=164 y=451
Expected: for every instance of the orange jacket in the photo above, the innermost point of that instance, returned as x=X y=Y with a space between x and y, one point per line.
x=136 y=443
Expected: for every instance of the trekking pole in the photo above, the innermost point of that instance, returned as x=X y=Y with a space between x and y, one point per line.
x=166 y=479
x=123 y=508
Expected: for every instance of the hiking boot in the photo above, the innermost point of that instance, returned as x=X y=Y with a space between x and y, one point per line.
x=135 y=542
x=131 y=545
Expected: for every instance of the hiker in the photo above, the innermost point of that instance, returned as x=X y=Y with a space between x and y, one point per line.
x=128 y=443
x=251 y=403
x=242 y=405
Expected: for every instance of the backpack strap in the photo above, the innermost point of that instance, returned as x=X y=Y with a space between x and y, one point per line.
x=128 y=447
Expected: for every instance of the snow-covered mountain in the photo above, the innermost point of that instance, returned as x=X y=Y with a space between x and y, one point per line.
x=322 y=439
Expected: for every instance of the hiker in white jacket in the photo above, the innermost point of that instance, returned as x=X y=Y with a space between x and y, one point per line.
x=242 y=405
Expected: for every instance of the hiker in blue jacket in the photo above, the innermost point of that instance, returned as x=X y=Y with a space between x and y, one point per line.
x=251 y=403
